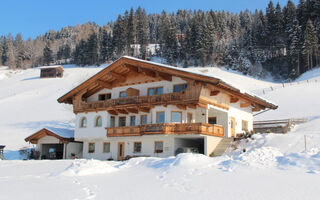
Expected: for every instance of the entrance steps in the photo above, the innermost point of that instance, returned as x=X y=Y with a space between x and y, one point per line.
x=221 y=148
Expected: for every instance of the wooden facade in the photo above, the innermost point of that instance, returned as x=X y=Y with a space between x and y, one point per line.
x=167 y=129
x=128 y=71
x=51 y=72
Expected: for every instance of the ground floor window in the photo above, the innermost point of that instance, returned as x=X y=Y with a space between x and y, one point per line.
x=106 y=147
x=91 y=147
x=137 y=147
x=244 y=125
x=158 y=146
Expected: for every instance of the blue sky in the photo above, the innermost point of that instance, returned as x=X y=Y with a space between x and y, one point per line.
x=34 y=17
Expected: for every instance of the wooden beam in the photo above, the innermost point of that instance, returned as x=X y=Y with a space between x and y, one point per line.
x=214 y=93
x=133 y=110
x=132 y=68
x=166 y=77
x=148 y=72
x=234 y=99
x=112 y=112
x=244 y=105
x=181 y=106
x=104 y=84
x=193 y=106
x=255 y=109
x=144 y=109
x=119 y=77
x=202 y=105
x=122 y=111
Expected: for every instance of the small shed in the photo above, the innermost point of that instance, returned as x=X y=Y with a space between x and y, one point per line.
x=51 y=71
x=56 y=143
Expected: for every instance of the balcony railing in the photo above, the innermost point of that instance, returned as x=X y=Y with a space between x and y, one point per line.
x=167 y=129
x=137 y=101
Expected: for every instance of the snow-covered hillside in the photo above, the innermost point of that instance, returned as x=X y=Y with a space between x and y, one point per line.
x=274 y=166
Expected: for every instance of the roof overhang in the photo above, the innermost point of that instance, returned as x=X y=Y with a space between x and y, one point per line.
x=45 y=132
x=164 y=69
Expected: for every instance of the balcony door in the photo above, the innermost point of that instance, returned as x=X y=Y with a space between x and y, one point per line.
x=120 y=150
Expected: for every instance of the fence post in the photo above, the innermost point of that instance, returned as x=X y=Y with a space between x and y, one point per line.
x=305 y=142
x=282 y=84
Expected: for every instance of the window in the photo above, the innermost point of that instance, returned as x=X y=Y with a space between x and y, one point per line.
x=137 y=147
x=212 y=120
x=106 y=147
x=83 y=122
x=98 y=122
x=91 y=147
x=123 y=94
x=180 y=87
x=112 y=121
x=176 y=117
x=122 y=121
x=103 y=97
x=158 y=146
x=160 y=117
x=132 y=120
x=143 y=119
x=155 y=91
x=244 y=125
x=189 y=117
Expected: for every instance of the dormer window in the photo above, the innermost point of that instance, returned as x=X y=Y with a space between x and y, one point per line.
x=83 y=122
x=103 y=97
x=180 y=87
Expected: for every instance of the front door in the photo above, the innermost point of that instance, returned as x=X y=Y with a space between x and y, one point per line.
x=233 y=124
x=120 y=150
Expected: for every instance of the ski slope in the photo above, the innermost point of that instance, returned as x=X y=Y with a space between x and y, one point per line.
x=273 y=166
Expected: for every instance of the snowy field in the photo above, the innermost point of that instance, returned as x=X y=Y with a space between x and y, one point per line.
x=273 y=167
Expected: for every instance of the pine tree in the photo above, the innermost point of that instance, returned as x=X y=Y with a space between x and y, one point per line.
x=294 y=48
x=92 y=50
x=142 y=32
x=47 y=54
x=106 y=48
x=119 y=36
x=131 y=32
x=310 y=44
x=10 y=53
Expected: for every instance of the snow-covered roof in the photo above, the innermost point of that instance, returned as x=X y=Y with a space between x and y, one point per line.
x=62 y=132
x=50 y=67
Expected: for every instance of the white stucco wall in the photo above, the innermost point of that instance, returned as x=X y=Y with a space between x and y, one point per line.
x=147 y=146
x=73 y=147
x=210 y=143
x=240 y=114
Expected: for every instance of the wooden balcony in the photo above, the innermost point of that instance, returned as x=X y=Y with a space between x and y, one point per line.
x=167 y=129
x=136 y=102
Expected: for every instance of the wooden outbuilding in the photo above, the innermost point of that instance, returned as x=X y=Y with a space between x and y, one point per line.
x=51 y=71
